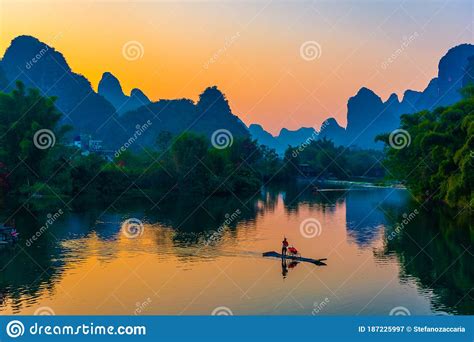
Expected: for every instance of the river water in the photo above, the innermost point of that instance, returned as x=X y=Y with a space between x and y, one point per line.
x=385 y=254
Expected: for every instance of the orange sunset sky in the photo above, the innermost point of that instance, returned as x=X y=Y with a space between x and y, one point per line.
x=256 y=47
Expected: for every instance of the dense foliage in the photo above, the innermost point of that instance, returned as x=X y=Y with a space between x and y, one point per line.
x=321 y=158
x=438 y=163
x=22 y=114
x=186 y=163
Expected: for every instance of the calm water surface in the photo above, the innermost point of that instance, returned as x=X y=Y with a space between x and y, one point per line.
x=184 y=263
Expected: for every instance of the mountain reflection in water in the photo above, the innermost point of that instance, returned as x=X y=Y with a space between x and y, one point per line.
x=192 y=256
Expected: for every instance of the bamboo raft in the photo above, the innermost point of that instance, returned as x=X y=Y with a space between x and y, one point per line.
x=273 y=254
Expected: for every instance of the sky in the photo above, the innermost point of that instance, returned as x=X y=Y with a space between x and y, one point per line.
x=280 y=63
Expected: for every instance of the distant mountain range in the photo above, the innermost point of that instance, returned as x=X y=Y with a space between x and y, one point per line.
x=109 y=114
x=210 y=113
x=368 y=115
x=330 y=129
x=113 y=116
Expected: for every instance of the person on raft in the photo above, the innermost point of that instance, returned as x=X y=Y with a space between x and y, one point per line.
x=284 y=246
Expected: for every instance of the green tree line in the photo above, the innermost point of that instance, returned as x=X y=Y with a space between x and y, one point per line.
x=186 y=163
x=321 y=158
x=437 y=164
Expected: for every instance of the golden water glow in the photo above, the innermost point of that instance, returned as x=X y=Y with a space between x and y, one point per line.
x=152 y=275
x=261 y=71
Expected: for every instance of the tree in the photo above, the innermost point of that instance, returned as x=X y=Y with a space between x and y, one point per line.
x=188 y=152
x=321 y=158
x=164 y=140
x=438 y=163
x=28 y=132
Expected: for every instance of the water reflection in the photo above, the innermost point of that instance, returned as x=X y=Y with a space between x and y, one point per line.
x=437 y=249
x=287 y=265
x=365 y=215
x=188 y=234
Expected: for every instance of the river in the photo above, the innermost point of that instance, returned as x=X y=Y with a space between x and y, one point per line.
x=196 y=256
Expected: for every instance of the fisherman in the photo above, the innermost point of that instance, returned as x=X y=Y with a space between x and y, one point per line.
x=284 y=246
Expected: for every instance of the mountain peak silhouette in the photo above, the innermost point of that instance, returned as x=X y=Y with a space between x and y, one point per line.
x=140 y=95
x=109 y=80
x=39 y=65
x=368 y=115
x=393 y=98
x=110 y=88
x=97 y=113
x=212 y=99
x=27 y=48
